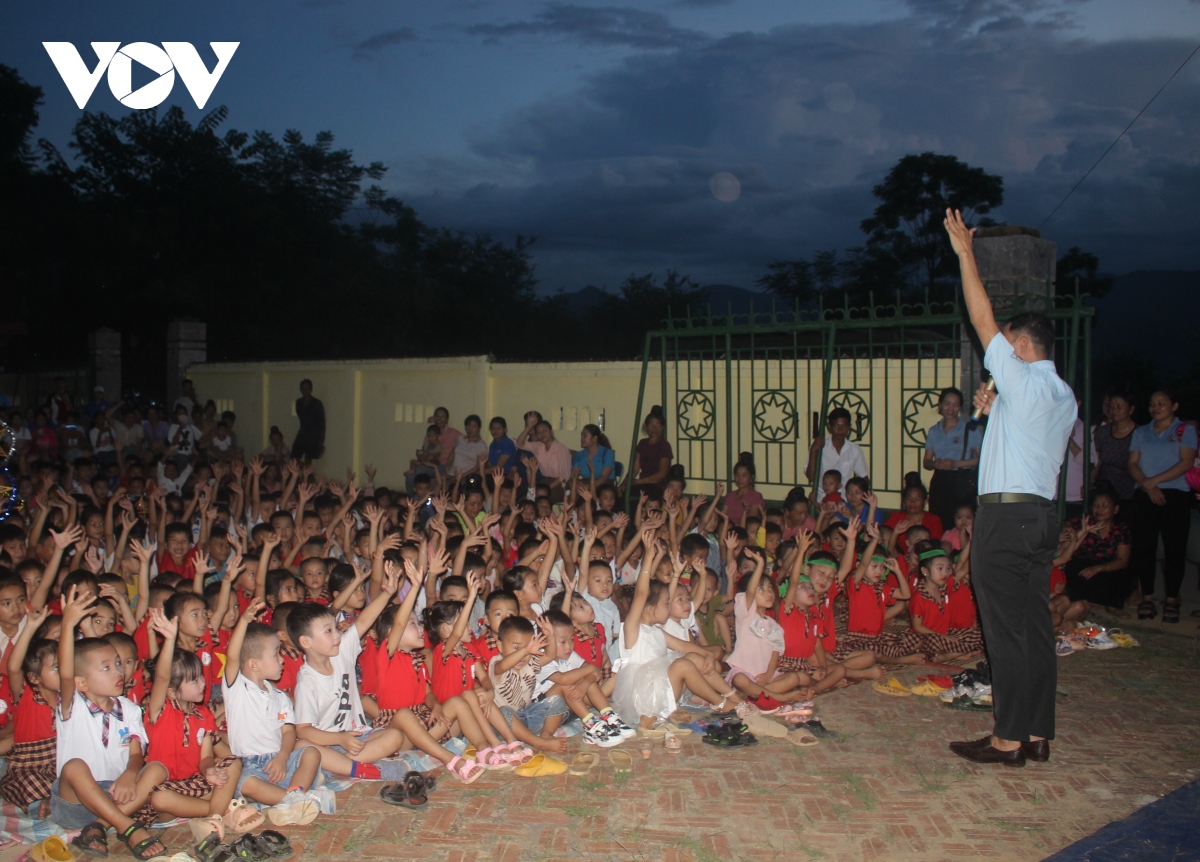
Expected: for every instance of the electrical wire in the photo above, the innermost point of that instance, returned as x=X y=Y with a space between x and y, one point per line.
x=1118 y=138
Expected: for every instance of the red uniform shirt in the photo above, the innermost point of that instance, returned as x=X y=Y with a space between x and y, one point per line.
x=33 y=718
x=1057 y=578
x=961 y=601
x=590 y=650
x=177 y=738
x=293 y=660
x=823 y=611
x=868 y=606
x=368 y=668
x=403 y=679
x=137 y=688
x=185 y=570
x=800 y=632
x=452 y=674
x=933 y=615
x=485 y=648
x=207 y=653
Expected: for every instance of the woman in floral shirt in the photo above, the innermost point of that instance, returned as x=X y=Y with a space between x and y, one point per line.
x=1098 y=565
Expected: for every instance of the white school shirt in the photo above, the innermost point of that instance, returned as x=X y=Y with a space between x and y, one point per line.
x=256 y=716
x=81 y=737
x=850 y=462
x=609 y=617
x=332 y=702
x=1028 y=427
x=559 y=665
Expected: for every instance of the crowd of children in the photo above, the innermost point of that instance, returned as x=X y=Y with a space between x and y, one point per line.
x=212 y=638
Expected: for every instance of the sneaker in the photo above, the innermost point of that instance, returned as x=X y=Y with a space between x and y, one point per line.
x=617 y=726
x=295 y=809
x=1063 y=648
x=323 y=796
x=599 y=733
x=1101 y=641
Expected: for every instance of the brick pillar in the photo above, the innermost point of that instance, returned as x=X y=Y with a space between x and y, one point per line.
x=104 y=349
x=187 y=342
x=1012 y=260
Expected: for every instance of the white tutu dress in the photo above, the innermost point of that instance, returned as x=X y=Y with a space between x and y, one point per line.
x=643 y=686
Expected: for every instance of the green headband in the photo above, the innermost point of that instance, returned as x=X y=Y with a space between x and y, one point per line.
x=823 y=562
x=783 y=588
x=878 y=559
x=929 y=555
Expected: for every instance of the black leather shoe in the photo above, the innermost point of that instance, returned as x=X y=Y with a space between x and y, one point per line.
x=982 y=742
x=988 y=754
x=1037 y=750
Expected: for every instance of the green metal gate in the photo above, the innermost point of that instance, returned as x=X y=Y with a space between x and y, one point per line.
x=764 y=382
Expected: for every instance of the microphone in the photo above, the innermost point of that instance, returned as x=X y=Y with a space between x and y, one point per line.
x=991 y=387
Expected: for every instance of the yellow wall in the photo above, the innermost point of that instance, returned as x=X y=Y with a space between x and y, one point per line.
x=376 y=410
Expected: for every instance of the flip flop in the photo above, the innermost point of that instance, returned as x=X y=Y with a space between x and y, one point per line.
x=275 y=843
x=541 y=766
x=802 y=739
x=53 y=849
x=655 y=732
x=815 y=726
x=671 y=727
x=672 y=744
x=241 y=816
x=965 y=704
x=622 y=762
x=893 y=687
x=582 y=764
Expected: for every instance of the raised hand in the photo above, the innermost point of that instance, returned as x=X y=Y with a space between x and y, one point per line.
x=165 y=627
x=68 y=537
x=961 y=236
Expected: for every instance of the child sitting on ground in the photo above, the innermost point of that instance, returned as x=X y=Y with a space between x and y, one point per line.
x=753 y=664
x=578 y=682
x=276 y=771
x=33 y=678
x=590 y=641
x=874 y=600
x=103 y=777
x=929 y=609
x=712 y=625
x=199 y=786
x=650 y=680
x=831 y=489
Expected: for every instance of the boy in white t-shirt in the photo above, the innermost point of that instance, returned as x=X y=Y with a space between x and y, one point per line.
x=579 y=684
x=276 y=769
x=329 y=708
x=102 y=774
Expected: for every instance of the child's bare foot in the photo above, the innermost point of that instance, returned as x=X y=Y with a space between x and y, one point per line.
x=873 y=672
x=551 y=744
x=842 y=683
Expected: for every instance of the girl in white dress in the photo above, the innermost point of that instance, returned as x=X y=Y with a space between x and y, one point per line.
x=649 y=678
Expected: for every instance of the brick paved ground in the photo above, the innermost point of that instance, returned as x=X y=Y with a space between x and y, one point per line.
x=887 y=788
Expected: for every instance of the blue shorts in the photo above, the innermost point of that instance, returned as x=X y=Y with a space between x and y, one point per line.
x=365 y=737
x=71 y=815
x=255 y=766
x=534 y=715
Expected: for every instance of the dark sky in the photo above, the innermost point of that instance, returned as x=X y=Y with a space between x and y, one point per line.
x=599 y=127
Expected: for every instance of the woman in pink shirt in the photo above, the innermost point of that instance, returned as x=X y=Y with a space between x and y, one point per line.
x=743 y=499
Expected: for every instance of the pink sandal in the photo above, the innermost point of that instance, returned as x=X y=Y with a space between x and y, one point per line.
x=467 y=771
x=492 y=758
x=517 y=752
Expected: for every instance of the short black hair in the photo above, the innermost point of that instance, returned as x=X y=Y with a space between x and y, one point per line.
x=1036 y=327
x=258 y=635
x=514 y=579
x=279 y=616
x=693 y=543
x=35 y=656
x=558 y=618
x=122 y=639
x=276 y=578
x=340 y=577
x=500 y=596
x=80 y=578
x=84 y=647
x=176 y=605
x=515 y=624
x=300 y=620
x=838 y=413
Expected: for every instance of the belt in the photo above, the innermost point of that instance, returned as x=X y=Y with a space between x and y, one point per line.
x=1010 y=498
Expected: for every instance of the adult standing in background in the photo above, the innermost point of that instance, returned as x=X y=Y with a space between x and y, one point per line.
x=1112 y=449
x=309 y=444
x=1016 y=527
x=1160 y=453
x=952 y=453
x=837 y=453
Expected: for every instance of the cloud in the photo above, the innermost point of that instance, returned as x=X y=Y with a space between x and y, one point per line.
x=614 y=175
x=385 y=40
x=604 y=26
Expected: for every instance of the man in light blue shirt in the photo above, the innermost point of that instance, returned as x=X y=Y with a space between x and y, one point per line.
x=1031 y=415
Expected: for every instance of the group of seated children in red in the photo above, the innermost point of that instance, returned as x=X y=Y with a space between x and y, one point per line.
x=269 y=638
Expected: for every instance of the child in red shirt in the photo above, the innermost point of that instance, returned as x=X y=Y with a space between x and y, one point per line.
x=291 y=657
x=33 y=673
x=500 y=605
x=930 y=613
x=445 y=624
x=875 y=599
x=180 y=730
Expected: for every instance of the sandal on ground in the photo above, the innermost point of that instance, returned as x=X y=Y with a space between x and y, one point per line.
x=493 y=758
x=249 y=847
x=141 y=850
x=1170 y=611
x=401 y=795
x=51 y=850
x=725 y=735
x=622 y=762
x=582 y=764
x=965 y=704
x=92 y=839
x=275 y=843
x=1147 y=610
x=517 y=752
x=241 y=816
x=203 y=827
x=541 y=766
x=802 y=738
x=815 y=726
x=210 y=849
x=672 y=744
x=467 y=771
